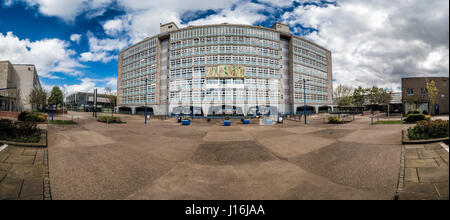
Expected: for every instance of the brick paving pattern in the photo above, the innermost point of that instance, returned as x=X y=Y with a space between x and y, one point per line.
x=424 y=174
x=23 y=173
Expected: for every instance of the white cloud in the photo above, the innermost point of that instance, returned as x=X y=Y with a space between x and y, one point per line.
x=49 y=55
x=66 y=10
x=103 y=50
x=89 y=84
x=378 y=42
x=75 y=38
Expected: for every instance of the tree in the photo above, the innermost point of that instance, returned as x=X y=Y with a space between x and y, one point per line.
x=16 y=95
x=111 y=98
x=38 y=98
x=359 y=96
x=56 y=96
x=385 y=99
x=432 y=92
x=343 y=96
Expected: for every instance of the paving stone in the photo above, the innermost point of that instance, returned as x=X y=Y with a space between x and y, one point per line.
x=2 y=175
x=15 y=150
x=10 y=188
x=3 y=156
x=417 y=196
x=420 y=163
x=32 y=187
x=411 y=175
x=427 y=154
x=442 y=188
x=443 y=198
x=26 y=171
x=433 y=174
x=39 y=160
x=5 y=166
x=445 y=157
x=440 y=162
x=435 y=146
x=20 y=159
x=415 y=146
x=29 y=152
x=412 y=154
x=421 y=188
x=32 y=198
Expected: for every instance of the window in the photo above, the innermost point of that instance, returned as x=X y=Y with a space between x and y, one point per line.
x=410 y=91
x=423 y=91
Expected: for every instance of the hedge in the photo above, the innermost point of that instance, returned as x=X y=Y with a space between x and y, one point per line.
x=429 y=130
x=26 y=132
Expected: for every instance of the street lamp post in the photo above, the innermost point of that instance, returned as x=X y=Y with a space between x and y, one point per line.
x=146 y=89
x=304 y=97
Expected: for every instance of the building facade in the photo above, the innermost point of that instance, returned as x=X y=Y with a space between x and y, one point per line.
x=84 y=101
x=415 y=97
x=16 y=83
x=224 y=69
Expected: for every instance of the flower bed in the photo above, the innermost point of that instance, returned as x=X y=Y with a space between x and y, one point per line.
x=428 y=129
x=110 y=119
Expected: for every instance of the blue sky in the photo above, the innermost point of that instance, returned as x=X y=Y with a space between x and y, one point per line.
x=74 y=44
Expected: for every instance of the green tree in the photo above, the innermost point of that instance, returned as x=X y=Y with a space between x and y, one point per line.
x=111 y=98
x=56 y=97
x=432 y=92
x=37 y=98
x=343 y=95
x=359 y=96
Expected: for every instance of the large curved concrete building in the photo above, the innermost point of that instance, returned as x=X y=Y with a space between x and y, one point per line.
x=224 y=69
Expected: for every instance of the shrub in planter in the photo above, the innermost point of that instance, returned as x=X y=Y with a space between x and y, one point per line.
x=334 y=120
x=19 y=131
x=429 y=130
x=109 y=119
x=425 y=112
x=31 y=117
x=413 y=118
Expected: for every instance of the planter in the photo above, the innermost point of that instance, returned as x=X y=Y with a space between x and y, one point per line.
x=226 y=123
x=185 y=122
x=246 y=121
x=269 y=122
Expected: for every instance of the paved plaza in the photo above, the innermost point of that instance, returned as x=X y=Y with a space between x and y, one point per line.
x=425 y=172
x=164 y=160
x=23 y=174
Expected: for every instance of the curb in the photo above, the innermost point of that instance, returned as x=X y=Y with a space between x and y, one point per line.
x=401 y=175
x=47 y=191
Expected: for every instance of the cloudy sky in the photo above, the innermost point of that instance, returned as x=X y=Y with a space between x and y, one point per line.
x=74 y=43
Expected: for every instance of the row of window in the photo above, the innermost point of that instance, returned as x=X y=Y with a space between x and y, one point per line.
x=149 y=62
x=224 y=49
x=224 y=60
x=310 y=88
x=140 y=47
x=309 y=71
x=309 y=54
x=224 y=30
x=298 y=78
x=224 y=40
x=423 y=91
x=309 y=62
x=139 y=81
x=300 y=43
x=299 y=97
x=139 y=56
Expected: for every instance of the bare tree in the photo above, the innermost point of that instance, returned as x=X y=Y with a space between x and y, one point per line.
x=432 y=92
x=343 y=96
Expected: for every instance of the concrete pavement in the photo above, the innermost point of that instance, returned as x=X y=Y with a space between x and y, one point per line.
x=164 y=160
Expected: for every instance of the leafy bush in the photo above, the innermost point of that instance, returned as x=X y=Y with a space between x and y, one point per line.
x=110 y=119
x=334 y=120
x=413 y=118
x=19 y=131
x=31 y=117
x=412 y=112
x=429 y=129
x=425 y=112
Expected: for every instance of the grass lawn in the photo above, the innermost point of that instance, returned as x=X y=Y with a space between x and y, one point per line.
x=391 y=122
x=61 y=122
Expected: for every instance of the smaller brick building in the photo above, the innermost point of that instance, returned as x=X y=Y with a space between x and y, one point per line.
x=415 y=97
